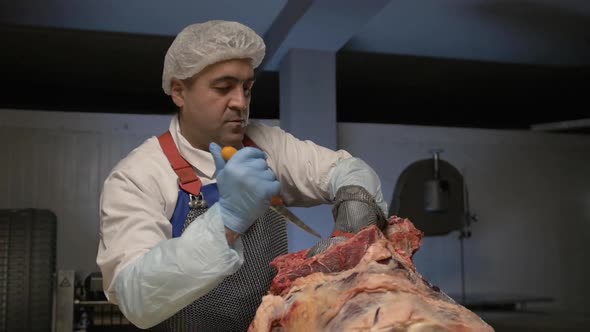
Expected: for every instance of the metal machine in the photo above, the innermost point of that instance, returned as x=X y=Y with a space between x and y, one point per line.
x=433 y=195
x=82 y=306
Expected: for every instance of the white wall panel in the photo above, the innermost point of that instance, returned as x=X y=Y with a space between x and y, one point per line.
x=530 y=190
x=58 y=161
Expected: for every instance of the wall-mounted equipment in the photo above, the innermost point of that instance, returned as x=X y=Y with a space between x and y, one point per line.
x=436 y=190
x=431 y=193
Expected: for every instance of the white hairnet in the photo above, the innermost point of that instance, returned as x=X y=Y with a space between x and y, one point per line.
x=202 y=44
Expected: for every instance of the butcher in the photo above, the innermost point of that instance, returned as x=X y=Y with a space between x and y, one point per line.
x=186 y=236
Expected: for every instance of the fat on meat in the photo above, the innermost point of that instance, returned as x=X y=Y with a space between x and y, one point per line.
x=367 y=283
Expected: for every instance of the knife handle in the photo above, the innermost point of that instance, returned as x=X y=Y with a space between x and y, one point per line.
x=276 y=201
x=227 y=152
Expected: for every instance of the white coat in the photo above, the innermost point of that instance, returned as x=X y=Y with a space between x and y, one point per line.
x=139 y=197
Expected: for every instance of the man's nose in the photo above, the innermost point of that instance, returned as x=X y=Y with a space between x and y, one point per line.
x=239 y=100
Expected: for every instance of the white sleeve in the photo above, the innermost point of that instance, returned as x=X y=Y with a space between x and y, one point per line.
x=303 y=167
x=354 y=171
x=177 y=271
x=149 y=275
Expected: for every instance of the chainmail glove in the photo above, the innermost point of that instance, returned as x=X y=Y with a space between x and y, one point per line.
x=354 y=209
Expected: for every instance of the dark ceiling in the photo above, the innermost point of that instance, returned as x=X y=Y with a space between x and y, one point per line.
x=89 y=71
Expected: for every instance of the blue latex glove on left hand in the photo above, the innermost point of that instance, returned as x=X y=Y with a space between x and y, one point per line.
x=246 y=186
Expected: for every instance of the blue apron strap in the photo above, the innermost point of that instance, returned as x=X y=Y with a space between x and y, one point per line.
x=211 y=196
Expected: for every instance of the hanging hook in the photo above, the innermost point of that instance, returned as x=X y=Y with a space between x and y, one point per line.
x=435 y=155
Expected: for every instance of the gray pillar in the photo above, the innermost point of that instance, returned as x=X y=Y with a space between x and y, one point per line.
x=308 y=111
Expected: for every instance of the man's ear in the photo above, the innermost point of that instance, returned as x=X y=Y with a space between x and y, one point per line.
x=177 y=89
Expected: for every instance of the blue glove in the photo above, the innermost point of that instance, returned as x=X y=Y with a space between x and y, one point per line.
x=246 y=186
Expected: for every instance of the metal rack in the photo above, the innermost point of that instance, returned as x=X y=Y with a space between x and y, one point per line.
x=82 y=307
x=99 y=316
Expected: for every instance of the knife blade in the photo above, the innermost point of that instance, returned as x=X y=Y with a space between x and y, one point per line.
x=277 y=204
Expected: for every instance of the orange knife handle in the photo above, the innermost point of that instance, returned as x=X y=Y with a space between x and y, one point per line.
x=227 y=152
x=276 y=201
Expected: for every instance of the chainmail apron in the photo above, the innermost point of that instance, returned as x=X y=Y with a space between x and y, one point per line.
x=232 y=305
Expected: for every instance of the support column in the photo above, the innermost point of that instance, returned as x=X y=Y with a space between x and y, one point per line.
x=308 y=111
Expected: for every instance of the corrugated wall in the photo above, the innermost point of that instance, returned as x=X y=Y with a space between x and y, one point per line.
x=58 y=161
x=530 y=190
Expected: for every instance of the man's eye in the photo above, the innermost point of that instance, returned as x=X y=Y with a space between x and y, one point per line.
x=223 y=88
x=247 y=90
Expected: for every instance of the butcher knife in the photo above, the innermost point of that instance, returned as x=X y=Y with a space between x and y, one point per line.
x=276 y=202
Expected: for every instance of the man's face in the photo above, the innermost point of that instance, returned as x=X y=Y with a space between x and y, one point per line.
x=215 y=107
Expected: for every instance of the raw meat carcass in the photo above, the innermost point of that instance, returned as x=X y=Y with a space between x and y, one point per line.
x=367 y=283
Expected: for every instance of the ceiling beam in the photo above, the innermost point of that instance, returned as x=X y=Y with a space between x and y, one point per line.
x=281 y=26
x=331 y=23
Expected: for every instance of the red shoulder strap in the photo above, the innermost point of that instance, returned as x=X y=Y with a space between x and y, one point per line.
x=187 y=179
x=247 y=141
